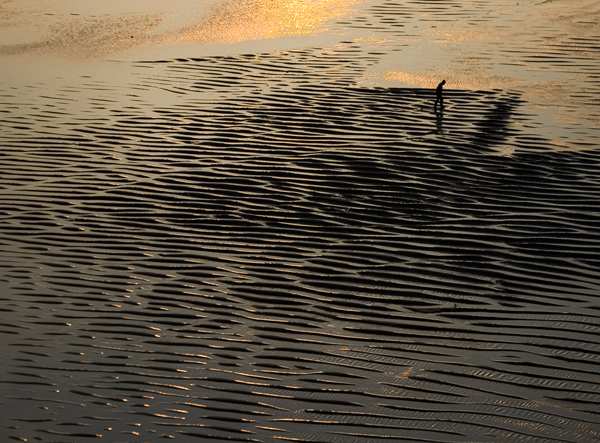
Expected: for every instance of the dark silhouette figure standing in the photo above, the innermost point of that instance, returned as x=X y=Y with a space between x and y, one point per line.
x=439 y=95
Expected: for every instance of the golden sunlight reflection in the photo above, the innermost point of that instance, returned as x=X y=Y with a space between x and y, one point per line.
x=261 y=19
x=72 y=29
x=454 y=81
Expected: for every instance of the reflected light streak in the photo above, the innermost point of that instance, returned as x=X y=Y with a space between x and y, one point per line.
x=483 y=81
x=74 y=30
x=261 y=19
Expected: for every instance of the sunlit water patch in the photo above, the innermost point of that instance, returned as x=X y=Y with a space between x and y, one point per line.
x=78 y=30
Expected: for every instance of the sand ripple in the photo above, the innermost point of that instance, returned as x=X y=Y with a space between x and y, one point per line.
x=277 y=254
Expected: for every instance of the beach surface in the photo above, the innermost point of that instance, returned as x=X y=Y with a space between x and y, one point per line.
x=247 y=221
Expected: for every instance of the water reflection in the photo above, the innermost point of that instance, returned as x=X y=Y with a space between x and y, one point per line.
x=439 y=120
x=68 y=28
x=259 y=19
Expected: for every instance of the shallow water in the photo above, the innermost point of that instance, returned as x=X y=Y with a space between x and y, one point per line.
x=275 y=246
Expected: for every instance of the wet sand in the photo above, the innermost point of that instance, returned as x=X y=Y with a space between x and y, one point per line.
x=292 y=245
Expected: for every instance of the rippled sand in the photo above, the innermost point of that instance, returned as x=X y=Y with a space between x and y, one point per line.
x=292 y=245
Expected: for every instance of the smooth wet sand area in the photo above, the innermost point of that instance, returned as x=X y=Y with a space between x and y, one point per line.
x=287 y=243
x=72 y=29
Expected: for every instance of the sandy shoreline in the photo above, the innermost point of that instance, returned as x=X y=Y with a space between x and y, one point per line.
x=292 y=244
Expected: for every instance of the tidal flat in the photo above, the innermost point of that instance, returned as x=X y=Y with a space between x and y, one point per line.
x=247 y=221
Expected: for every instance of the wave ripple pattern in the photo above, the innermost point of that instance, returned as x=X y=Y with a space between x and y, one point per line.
x=277 y=255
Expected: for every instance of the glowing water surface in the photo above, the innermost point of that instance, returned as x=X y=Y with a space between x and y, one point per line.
x=77 y=29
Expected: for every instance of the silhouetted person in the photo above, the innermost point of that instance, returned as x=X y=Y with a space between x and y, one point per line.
x=439 y=94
